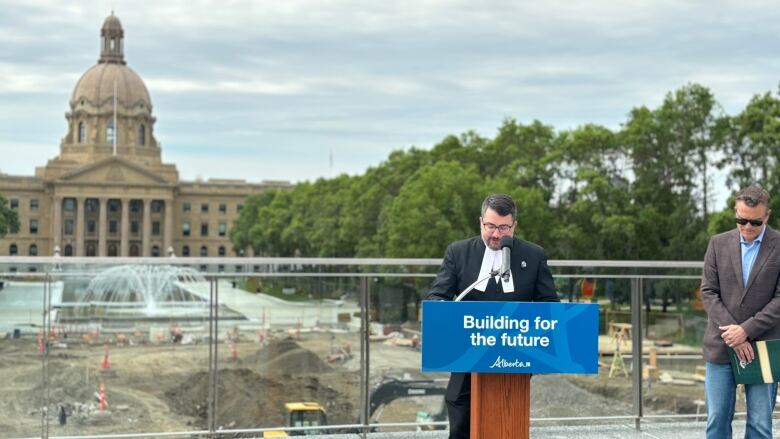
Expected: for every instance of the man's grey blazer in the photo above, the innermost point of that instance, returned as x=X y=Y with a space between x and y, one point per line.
x=755 y=306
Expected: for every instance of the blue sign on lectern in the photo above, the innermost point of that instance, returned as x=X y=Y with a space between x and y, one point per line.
x=510 y=337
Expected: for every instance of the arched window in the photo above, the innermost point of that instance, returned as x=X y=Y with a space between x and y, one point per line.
x=142 y=135
x=91 y=250
x=204 y=251
x=185 y=251
x=33 y=250
x=155 y=251
x=68 y=250
x=82 y=132
x=13 y=250
x=135 y=251
x=110 y=132
x=112 y=250
x=221 y=251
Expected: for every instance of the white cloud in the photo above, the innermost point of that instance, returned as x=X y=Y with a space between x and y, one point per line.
x=169 y=85
x=33 y=79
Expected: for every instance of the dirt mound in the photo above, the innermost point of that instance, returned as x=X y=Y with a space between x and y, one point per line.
x=286 y=358
x=247 y=399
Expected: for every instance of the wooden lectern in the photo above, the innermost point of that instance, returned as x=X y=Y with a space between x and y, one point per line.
x=500 y=405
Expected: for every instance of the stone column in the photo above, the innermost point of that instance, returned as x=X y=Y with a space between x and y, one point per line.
x=147 y=229
x=102 y=227
x=80 y=212
x=168 y=231
x=57 y=224
x=125 y=228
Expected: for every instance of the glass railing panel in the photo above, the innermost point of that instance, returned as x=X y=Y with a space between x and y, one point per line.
x=131 y=354
x=22 y=351
x=672 y=323
x=673 y=326
x=399 y=392
x=288 y=351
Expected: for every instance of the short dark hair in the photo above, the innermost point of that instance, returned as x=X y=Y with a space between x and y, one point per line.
x=753 y=195
x=503 y=205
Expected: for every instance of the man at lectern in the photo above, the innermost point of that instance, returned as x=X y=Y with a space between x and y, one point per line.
x=528 y=280
x=741 y=294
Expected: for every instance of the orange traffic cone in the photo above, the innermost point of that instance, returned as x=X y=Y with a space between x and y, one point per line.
x=41 y=347
x=105 y=365
x=233 y=351
x=102 y=403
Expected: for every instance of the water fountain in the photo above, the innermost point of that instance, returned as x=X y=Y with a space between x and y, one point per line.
x=129 y=295
x=151 y=290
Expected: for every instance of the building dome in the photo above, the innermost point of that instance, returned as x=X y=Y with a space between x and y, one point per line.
x=96 y=88
x=110 y=109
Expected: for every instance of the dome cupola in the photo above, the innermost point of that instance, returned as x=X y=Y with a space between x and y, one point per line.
x=112 y=35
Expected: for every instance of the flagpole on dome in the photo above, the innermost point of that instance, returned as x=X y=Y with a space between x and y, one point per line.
x=114 y=123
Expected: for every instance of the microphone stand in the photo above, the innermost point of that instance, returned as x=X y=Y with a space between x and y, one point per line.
x=493 y=273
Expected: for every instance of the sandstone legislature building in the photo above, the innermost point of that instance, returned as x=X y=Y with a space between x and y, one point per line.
x=108 y=192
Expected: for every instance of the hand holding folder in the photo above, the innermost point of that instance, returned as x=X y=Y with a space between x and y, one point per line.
x=765 y=368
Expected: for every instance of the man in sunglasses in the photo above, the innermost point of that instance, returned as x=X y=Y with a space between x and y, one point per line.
x=476 y=258
x=741 y=295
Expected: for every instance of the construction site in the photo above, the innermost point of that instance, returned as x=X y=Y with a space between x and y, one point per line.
x=278 y=364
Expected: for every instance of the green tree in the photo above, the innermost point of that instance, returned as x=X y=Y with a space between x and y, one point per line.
x=320 y=211
x=669 y=149
x=438 y=205
x=267 y=234
x=371 y=194
x=9 y=219
x=753 y=141
x=522 y=154
x=239 y=233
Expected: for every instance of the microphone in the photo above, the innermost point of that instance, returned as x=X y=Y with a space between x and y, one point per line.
x=493 y=273
x=506 y=249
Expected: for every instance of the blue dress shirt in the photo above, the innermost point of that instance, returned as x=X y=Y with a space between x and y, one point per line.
x=749 y=253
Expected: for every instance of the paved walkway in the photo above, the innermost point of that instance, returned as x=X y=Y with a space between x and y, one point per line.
x=650 y=430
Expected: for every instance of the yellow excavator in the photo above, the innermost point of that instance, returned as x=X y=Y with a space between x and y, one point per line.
x=301 y=414
x=312 y=414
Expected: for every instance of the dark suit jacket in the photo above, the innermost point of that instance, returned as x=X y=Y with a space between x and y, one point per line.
x=460 y=268
x=755 y=306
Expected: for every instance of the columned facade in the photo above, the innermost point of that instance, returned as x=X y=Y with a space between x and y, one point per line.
x=102 y=226
x=131 y=225
x=123 y=237
x=147 y=228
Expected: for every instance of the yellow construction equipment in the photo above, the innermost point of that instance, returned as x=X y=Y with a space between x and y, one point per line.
x=301 y=414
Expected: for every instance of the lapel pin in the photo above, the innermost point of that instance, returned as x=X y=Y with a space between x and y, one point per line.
x=522 y=264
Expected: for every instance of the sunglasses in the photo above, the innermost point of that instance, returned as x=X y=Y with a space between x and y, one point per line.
x=753 y=222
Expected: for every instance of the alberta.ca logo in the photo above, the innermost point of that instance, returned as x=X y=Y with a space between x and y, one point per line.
x=502 y=363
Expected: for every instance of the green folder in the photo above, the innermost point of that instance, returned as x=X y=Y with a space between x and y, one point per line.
x=765 y=367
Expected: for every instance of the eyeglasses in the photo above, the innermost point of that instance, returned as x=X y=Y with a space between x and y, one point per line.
x=490 y=227
x=753 y=222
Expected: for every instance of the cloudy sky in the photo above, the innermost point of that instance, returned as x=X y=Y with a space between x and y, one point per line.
x=266 y=90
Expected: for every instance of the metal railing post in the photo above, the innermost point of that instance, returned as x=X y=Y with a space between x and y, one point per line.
x=213 y=344
x=364 y=354
x=45 y=331
x=636 y=348
x=216 y=352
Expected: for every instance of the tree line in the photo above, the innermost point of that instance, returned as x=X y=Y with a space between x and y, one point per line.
x=643 y=192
